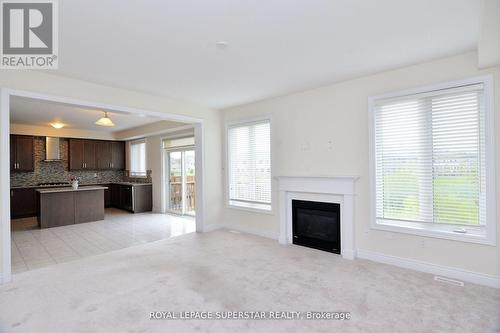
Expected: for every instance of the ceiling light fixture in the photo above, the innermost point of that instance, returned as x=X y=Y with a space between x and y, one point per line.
x=105 y=121
x=57 y=125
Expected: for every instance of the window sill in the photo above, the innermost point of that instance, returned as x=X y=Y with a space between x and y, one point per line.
x=254 y=208
x=474 y=234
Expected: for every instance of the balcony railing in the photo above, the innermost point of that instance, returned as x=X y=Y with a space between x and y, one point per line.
x=176 y=194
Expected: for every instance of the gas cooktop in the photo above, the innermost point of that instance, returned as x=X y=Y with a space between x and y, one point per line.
x=52 y=184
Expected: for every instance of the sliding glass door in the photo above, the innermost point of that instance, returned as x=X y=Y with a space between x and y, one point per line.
x=190 y=188
x=175 y=182
x=181 y=181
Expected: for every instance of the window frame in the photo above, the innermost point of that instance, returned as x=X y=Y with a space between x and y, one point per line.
x=134 y=142
x=243 y=122
x=481 y=235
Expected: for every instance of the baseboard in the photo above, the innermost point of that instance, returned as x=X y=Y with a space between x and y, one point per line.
x=421 y=266
x=261 y=233
x=212 y=227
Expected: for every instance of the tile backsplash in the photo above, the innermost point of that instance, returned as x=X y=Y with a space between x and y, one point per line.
x=57 y=171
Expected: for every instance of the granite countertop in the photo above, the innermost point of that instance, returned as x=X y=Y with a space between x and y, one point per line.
x=70 y=189
x=38 y=186
x=69 y=185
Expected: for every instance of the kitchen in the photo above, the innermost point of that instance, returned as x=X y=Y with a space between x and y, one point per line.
x=97 y=180
x=43 y=165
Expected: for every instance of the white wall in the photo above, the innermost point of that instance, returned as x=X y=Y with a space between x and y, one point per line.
x=304 y=123
x=153 y=163
x=41 y=82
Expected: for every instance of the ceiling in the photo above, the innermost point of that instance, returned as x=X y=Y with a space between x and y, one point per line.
x=42 y=113
x=274 y=47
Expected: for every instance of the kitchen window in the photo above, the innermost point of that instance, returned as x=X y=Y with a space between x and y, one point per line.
x=138 y=158
x=249 y=165
x=432 y=162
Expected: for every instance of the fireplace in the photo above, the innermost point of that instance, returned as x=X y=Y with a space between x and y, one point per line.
x=316 y=225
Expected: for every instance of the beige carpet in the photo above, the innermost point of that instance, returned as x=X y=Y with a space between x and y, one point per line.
x=223 y=271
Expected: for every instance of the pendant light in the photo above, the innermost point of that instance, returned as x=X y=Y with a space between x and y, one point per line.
x=105 y=121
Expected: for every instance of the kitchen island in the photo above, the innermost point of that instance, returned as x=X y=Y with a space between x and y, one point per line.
x=65 y=205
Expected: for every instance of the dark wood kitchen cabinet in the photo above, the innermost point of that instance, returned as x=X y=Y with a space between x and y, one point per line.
x=21 y=153
x=89 y=158
x=115 y=195
x=58 y=207
x=82 y=154
x=75 y=154
x=118 y=155
x=96 y=155
x=127 y=197
x=12 y=153
x=103 y=155
x=107 y=196
x=23 y=202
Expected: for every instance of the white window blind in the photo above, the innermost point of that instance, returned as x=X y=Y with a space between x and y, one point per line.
x=178 y=142
x=138 y=159
x=430 y=157
x=249 y=159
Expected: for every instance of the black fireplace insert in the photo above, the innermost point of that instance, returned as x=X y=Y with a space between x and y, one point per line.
x=316 y=225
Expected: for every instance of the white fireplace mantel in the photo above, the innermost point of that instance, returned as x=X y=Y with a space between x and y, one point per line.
x=323 y=189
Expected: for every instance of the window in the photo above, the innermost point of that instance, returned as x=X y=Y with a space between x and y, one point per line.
x=249 y=165
x=176 y=143
x=138 y=158
x=431 y=162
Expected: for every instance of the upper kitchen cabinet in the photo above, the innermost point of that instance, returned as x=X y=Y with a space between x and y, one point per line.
x=21 y=153
x=103 y=155
x=118 y=155
x=75 y=154
x=82 y=154
x=96 y=155
x=110 y=155
x=89 y=154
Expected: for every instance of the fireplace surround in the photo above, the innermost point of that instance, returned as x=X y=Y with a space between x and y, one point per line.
x=339 y=190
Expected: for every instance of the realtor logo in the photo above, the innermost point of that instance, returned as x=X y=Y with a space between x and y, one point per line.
x=29 y=34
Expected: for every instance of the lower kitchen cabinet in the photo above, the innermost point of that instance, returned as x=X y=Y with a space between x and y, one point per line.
x=127 y=197
x=107 y=196
x=23 y=202
x=115 y=195
x=135 y=198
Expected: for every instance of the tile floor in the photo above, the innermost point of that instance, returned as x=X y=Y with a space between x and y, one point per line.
x=34 y=248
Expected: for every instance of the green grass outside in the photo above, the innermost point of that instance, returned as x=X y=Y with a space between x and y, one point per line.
x=453 y=201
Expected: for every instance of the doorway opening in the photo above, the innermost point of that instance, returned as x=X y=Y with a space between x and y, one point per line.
x=86 y=173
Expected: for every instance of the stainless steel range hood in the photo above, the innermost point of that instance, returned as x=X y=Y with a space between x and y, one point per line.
x=52 y=152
